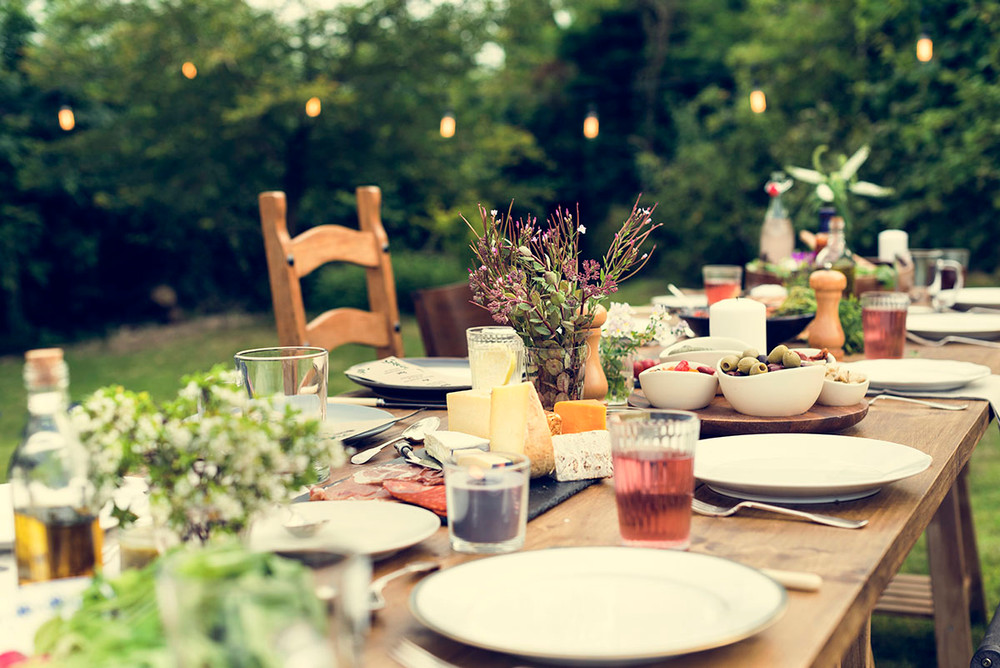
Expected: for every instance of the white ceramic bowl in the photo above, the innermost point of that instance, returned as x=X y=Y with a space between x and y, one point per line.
x=706 y=357
x=776 y=393
x=835 y=393
x=703 y=343
x=679 y=390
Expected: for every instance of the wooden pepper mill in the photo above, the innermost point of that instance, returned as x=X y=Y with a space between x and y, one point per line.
x=825 y=330
x=595 y=383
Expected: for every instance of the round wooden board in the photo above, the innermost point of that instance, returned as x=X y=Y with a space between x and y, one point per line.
x=719 y=418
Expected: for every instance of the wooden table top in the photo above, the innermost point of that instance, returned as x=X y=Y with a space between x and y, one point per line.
x=817 y=628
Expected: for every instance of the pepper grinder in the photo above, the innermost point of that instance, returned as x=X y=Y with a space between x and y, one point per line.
x=825 y=330
x=595 y=383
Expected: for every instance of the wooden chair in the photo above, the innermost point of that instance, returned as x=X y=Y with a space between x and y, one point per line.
x=288 y=260
x=444 y=314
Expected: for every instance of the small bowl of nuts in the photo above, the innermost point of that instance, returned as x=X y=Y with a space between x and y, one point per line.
x=842 y=387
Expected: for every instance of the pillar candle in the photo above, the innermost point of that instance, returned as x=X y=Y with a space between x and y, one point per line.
x=893 y=244
x=743 y=319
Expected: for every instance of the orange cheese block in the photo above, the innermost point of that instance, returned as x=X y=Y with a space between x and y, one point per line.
x=582 y=415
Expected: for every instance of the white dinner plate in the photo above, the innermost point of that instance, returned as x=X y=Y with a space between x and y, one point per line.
x=803 y=468
x=686 y=303
x=376 y=528
x=451 y=374
x=919 y=374
x=598 y=605
x=360 y=422
x=939 y=325
x=982 y=297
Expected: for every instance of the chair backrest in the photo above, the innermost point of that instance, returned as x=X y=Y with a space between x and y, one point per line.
x=444 y=314
x=289 y=259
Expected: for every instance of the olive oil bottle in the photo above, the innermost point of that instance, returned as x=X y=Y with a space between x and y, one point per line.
x=835 y=255
x=56 y=532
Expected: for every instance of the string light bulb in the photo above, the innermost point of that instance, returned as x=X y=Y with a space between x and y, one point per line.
x=758 y=101
x=189 y=70
x=591 y=125
x=925 y=48
x=448 y=125
x=67 y=121
x=313 y=107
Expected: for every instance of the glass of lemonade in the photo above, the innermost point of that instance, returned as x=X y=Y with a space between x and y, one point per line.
x=654 y=476
x=496 y=356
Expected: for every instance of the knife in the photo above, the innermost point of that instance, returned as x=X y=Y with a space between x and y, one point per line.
x=406 y=451
x=379 y=402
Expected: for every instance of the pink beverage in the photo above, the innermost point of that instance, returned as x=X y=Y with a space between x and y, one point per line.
x=716 y=291
x=885 y=332
x=653 y=492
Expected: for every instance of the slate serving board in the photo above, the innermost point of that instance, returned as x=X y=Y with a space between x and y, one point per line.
x=720 y=419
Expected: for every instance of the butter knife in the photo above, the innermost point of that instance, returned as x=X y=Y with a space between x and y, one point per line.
x=407 y=452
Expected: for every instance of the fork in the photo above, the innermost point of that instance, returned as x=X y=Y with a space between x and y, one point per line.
x=703 y=508
x=951 y=339
x=929 y=404
x=377 y=586
x=411 y=655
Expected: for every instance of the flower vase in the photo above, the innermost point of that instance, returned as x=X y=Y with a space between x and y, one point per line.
x=556 y=372
x=621 y=378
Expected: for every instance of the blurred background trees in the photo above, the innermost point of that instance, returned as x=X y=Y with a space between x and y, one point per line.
x=151 y=199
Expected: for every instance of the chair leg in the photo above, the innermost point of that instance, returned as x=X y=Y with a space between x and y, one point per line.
x=946 y=556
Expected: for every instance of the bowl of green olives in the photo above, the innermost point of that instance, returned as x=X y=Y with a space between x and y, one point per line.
x=782 y=383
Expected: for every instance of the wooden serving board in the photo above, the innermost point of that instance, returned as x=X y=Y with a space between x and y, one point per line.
x=720 y=419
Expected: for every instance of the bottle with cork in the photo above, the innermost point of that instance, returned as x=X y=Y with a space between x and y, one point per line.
x=835 y=254
x=56 y=531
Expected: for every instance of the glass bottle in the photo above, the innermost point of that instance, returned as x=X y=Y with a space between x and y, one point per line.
x=823 y=231
x=835 y=255
x=56 y=531
x=777 y=237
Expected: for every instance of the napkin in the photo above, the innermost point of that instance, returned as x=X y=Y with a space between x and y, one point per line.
x=987 y=388
x=395 y=371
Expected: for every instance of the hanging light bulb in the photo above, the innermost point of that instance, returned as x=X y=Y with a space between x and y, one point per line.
x=313 y=107
x=67 y=121
x=925 y=48
x=758 y=101
x=591 y=125
x=189 y=70
x=448 y=125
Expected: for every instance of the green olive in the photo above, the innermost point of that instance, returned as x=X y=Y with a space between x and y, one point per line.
x=791 y=359
x=729 y=362
x=744 y=364
x=777 y=354
x=760 y=367
x=750 y=352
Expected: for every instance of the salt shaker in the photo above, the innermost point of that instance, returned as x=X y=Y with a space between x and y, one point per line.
x=825 y=330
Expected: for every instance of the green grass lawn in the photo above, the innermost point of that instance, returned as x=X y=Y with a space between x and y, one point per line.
x=155 y=359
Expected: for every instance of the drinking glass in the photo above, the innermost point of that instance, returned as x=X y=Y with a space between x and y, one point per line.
x=294 y=375
x=883 y=319
x=721 y=281
x=496 y=356
x=924 y=272
x=487 y=496
x=654 y=476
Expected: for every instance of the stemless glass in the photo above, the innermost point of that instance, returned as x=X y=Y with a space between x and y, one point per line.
x=296 y=375
x=496 y=356
x=883 y=318
x=654 y=476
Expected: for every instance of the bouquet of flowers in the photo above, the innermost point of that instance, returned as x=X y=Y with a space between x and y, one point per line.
x=211 y=457
x=620 y=340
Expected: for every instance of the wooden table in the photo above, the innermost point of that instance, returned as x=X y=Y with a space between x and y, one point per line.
x=830 y=627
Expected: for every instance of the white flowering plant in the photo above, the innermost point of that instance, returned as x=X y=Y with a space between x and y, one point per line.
x=211 y=457
x=620 y=339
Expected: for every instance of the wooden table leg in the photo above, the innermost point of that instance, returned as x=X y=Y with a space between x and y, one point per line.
x=945 y=552
x=973 y=568
x=859 y=654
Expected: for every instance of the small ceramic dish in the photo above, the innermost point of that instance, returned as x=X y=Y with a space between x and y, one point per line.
x=776 y=393
x=678 y=390
x=840 y=387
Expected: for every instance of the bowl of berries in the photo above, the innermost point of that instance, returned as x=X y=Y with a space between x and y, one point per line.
x=782 y=383
x=680 y=385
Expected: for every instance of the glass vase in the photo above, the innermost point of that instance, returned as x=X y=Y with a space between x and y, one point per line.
x=621 y=378
x=556 y=372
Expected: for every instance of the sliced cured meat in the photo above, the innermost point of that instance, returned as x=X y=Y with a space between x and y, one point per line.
x=347 y=489
x=431 y=497
x=374 y=475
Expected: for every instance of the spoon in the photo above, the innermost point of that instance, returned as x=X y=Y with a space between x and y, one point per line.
x=299 y=526
x=675 y=291
x=415 y=432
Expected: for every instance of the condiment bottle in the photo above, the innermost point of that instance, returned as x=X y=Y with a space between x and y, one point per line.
x=56 y=531
x=823 y=230
x=777 y=237
x=825 y=330
x=835 y=254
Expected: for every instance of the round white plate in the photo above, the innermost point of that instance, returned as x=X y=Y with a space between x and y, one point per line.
x=919 y=374
x=598 y=605
x=983 y=297
x=376 y=528
x=361 y=421
x=688 y=302
x=803 y=468
x=938 y=325
x=450 y=374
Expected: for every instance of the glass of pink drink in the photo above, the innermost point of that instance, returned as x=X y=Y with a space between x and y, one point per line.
x=654 y=476
x=722 y=281
x=883 y=318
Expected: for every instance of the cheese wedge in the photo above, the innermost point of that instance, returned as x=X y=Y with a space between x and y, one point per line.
x=444 y=445
x=469 y=412
x=582 y=415
x=518 y=424
x=582 y=456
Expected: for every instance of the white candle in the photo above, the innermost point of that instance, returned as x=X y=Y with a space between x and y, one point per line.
x=743 y=319
x=892 y=243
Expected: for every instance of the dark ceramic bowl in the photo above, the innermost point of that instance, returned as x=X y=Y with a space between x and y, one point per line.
x=780 y=328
